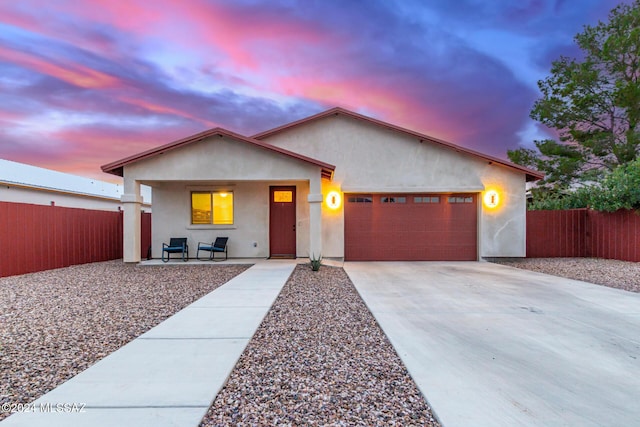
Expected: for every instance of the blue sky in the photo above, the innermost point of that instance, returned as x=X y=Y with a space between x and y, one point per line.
x=86 y=83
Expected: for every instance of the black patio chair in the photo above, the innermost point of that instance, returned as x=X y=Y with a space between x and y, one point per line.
x=219 y=246
x=177 y=245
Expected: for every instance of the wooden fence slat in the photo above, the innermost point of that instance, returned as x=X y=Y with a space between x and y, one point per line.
x=4 y=224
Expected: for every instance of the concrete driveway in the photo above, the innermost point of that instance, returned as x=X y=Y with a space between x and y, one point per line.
x=490 y=345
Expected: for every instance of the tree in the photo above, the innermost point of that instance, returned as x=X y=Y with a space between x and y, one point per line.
x=593 y=103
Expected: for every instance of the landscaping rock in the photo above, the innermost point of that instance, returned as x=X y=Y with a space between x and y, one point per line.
x=55 y=324
x=607 y=272
x=319 y=358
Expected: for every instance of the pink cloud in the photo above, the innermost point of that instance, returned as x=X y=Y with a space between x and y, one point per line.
x=134 y=17
x=244 y=36
x=75 y=74
x=231 y=36
x=241 y=33
x=388 y=103
x=163 y=109
x=86 y=148
x=37 y=20
x=10 y=116
x=11 y=16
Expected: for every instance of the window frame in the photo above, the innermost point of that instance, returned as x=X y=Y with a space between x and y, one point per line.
x=211 y=224
x=360 y=199
x=460 y=199
x=393 y=200
x=427 y=200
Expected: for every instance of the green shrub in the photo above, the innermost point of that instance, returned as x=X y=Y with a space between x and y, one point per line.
x=619 y=190
x=546 y=200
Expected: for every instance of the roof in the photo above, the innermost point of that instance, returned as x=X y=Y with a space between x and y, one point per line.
x=117 y=167
x=531 y=175
x=32 y=177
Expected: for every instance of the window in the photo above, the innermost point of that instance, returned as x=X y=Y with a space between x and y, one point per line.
x=212 y=208
x=459 y=199
x=283 y=196
x=427 y=199
x=360 y=199
x=393 y=199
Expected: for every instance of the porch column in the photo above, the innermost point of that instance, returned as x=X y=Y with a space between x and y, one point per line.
x=315 y=218
x=131 y=205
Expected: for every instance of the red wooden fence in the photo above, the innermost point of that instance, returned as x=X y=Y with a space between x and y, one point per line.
x=36 y=237
x=556 y=233
x=583 y=233
x=145 y=236
x=614 y=235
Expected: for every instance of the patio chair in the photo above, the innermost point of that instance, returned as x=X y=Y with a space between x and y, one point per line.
x=177 y=245
x=219 y=246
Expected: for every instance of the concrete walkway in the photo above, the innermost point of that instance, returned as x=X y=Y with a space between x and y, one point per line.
x=490 y=345
x=170 y=375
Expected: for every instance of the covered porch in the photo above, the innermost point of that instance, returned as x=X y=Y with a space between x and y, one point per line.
x=222 y=184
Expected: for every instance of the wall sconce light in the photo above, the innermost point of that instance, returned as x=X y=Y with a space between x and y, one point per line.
x=491 y=199
x=333 y=200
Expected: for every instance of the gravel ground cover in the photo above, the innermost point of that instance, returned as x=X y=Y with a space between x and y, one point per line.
x=607 y=272
x=55 y=324
x=319 y=358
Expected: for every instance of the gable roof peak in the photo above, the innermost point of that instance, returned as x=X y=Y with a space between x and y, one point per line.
x=531 y=175
x=117 y=167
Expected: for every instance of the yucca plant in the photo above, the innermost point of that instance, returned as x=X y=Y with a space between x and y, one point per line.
x=315 y=262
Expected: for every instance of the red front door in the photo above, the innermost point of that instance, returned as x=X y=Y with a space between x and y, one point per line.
x=282 y=222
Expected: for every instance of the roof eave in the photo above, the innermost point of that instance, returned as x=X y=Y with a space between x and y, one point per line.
x=534 y=176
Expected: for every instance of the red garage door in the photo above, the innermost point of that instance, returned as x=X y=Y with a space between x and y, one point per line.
x=411 y=227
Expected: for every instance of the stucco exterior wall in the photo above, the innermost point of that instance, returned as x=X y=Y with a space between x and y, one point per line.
x=225 y=165
x=249 y=234
x=370 y=158
x=503 y=230
x=220 y=159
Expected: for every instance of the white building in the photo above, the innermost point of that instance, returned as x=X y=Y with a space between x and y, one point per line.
x=21 y=183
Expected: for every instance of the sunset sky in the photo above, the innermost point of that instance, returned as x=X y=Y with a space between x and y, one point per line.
x=84 y=83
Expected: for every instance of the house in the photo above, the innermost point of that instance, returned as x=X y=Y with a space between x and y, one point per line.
x=22 y=183
x=337 y=184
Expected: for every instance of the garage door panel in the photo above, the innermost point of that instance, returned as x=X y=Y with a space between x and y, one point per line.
x=444 y=228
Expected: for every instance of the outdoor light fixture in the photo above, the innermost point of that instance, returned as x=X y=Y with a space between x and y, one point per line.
x=333 y=200
x=491 y=199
